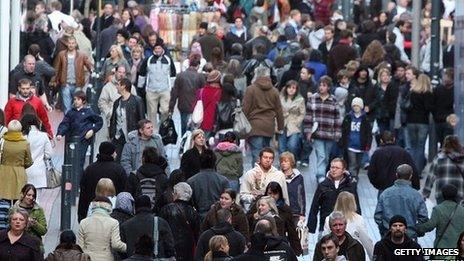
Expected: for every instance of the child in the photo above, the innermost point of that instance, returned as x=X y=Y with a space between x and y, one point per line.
x=295 y=186
x=81 y=122
x=356 y=136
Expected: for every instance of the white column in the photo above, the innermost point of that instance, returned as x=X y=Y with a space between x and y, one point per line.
x=459 y=69
x=416 y=27
x=4 y=51
x=15 y=30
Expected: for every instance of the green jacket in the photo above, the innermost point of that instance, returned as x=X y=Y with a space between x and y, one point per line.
x=37 y=213
x=229 y=160
x=440 y=216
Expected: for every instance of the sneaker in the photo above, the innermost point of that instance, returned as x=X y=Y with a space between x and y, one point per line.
x=304 y=165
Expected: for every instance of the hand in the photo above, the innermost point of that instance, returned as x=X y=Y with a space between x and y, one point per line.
x=32 y=222
x=59 y=137
x=366 y=109
x=89 y=134
x=48 y=107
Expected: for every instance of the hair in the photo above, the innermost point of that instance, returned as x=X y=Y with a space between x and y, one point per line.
x=294 y=13
x=374 y=54
x=24 y=81
x=268 y=150
x=315 y=56
x=344 y=34
x=27 y=121
x=449 y=72
x=67 y=240
x=34 y=50
x=451 y=144
x=26 y=189
x=287 y=155
x=382 y=71
x=56 y=5
x=458 y=244
x=413 y=69
x=216 y=56
x=207 y=159
x=336 y=215
x=274 y=188
x=176 y=176
x=288 y=85
x=118 y=51
x=21 y=211
x=126 y=83
x=144 y=245
x=326 y=80
x=80 y=95
x=342 y=161
x=14 y=125
x=236 y=49
x=330 y=237
x=342 y=73
x=267 y=226
x=329 y=28
x=232 y=193
x=105 y=188
x=215 y=244
x=404 y=171
x=195 y=133
x=194 y=59
x=223 y=215
x=387 y=137
x=346 y=204
x=183 y=191
x=141 y=123
x=270 y=201
x=230 y=137
x=234 y=67
x=150 y=155
x=422 y=84
x=229 y=92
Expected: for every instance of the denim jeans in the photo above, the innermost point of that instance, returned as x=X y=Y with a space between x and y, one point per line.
x=184 y=117
x=417 y=135
x=290 y=143
x=257 y=143
x=354 y=162
x=67 y=93
x=322 y=148
x=402 y=138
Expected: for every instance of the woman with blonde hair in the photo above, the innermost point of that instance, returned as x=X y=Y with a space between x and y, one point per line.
x=190 y=161
x=218 y=249
x=355 y=224
x=386 y=93
x=105 y=188
x=137 y=58
x=115 y=59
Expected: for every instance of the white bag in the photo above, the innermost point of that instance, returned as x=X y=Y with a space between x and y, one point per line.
x=242 y=126
x=185 y=142
x=197 y=114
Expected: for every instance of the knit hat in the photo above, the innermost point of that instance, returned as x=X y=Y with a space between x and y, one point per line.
x=357 y=101
x=214 y=76
x=142 y=201
x=398 y=219
x=159 y=42
x=449 y=192
x=341 y=94
x=124 y=202
x=106 y=148
x=132 y=4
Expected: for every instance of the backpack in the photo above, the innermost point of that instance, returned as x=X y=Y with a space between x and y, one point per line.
x=148 y=186
x=225 y=115
x=250 y=66
x=168 y=131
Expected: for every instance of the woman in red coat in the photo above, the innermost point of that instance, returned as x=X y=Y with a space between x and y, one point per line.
x=210 y=95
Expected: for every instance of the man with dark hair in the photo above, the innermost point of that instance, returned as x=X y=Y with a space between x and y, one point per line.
x=238 y=33
x=341 y=54
x=328 y=44
x=277 y=247
x=402 y=199
x=223 y=227
x=106 y=19
x=330 y=248
x=444 y=93
x=207 y=185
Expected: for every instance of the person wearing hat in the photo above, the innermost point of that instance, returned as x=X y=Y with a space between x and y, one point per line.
x=104 y=167
x=396 y=239
x=155 y=76
x=202 y=28
x=210 y=95
x=356 y=136
x=402 y=199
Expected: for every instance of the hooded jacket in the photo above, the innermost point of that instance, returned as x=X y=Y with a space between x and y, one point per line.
x=79 y=122
x=384 y=250
x=134 y=111
x=62 y=254
x=294 y=111
x=277 y=248
x=296 y=193
x=236 y=240
x=351 y=248
x=229 y=160
x=365 y=134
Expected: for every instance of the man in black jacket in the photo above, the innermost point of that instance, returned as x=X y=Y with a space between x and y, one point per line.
x=277 y=247
x=385 y=160
x=105 y=167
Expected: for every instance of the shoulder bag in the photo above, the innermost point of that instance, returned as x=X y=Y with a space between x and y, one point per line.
x=53 y=174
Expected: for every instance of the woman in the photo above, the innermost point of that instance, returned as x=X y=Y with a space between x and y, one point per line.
x=306 y=83
x=15 y=244
x=128 y=21
x=229 y=159
x=387 y=94
x=447 y=168
x=355 y=224
x=225 y=109
x=41 y=150
x=124 y=208
x=373 y=55
x=227 y=201
x=99 y=233
x=294 y=110
x=140 y=19
x=195 y=48
x=218 y=249
x=210 y=95
x=417 y=118
x=68 y=249
x=460 y=245
x=115 y=59
x=190 y=161
x=217 y=59
x=105 y=188
x=137 y=58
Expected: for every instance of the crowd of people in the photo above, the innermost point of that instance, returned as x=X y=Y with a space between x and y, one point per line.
x=315 y=89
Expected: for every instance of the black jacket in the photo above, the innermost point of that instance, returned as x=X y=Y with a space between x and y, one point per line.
x=134 y=113
x=365 y=134
x=142 y=224
x=236 y=240
x=105 y=167
x=26 y=248
x=224 y=115
x=365 y=91
x=383 y=164
x=422 y=106
x=185 y=224
x=385 y=102
x=44 y=41
x=277 y=248
x=190 y=162
x=325 y=198
x=293 y=73
x=384 y=250
x=444 y=101
x=323 y=49
x=120 y=216
x=350 y=248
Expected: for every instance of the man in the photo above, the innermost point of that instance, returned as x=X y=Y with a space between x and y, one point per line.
x=328 y=44
x=127 y=111
x=202 y=28
x=444 y=93
x=425 y=53
x=348 y=246
x=293 y=25
x=209 y=41
x=337 y=180
x=396 y=239
x=277 y=247
x=341 y=54
x=70 y=67
x=144 y=223
x=255 y=181
x=104 y=167
x=108 y=37
x=107 y=18
x=58 y=19
x=155 y=75
x=261 y=39
x=223 y=227
x=259 y=59
x=15 y=105
x=203 y=198
x=322 y=124
x=262 y=108
x=385 y=160
x=184 y=90
x=238 y=33
x=330 y=248
x=402 y=199
x=137 y=140
x=400 y=28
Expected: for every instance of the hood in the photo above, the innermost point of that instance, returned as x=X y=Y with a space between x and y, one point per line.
x=101 y=207
x=264 y=83
x=296 y=173
x=124 y=202
x=233 y=29
x=150 y=170
x=455 y=157
x=272 y=242
x=392 y=246
x=341 y=94
x=227 y=147
x=222 y=228
x=14 y=136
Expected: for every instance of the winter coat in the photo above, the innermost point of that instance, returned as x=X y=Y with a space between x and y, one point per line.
x=60 y=64
x=294 y=112
x=262 y=107
x=210 y=96
x=320 y=69
x=446 y=168
x=325 y=198
x=203 y=198
x=190 y=162
x=184 y=222
x=142 y=223
x=325 y=51
x=224 y=115
x=422 y=106
x=239 y=219
x=131 y=157
x=104 y=167
x=232 y=37
x=99 y=234
x=365 y=134
x=400 y=199
x=296 y=193
x=16 y=157
x=41 y=149
x=62 y=254
x=443 y=108
x=386 y=101
x=229 y=160
x=184 y=90
x=155 y=73
x=35 y=77
x=134 y=111
x=327 y=114
x=236 y=240
x=207 y=43
x=350 y=248
x=340 y=55
x=79 y=122
x=383 y=164
x=44 y=41
x=37 y=213
x=292 y=73
x=287 y=228
x=384 y=250
x=108 y=96
x=277 y=248
x=26 y=248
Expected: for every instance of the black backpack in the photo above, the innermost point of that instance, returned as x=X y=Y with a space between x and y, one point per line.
x=168 y=132
x=225 y=115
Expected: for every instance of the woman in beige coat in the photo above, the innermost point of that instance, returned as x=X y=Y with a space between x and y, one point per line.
x=99 y=233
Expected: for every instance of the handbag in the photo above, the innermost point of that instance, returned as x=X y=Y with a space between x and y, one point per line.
x=168 y=131
x=197 y=114
x=53 y=175
x=242 y=126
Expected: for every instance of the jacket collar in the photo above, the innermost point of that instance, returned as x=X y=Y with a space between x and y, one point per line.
x=25 y=240
x=402 y=182
x=14 y=136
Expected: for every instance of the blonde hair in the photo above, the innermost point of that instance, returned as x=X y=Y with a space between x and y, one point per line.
x=105 y=188
x=15 y=125
x=421 y=84
x=118 y=50
x=138 y=48
x=346 y=204
x=195 y=133
x=287 y=156
x=270 y=201
x=215 y=244
x=382 y=71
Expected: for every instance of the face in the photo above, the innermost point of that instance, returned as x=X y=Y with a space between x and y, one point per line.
x=263 y=208
x=328 y=35
x=39 y=9
x=135 y=12
x=383 y=18
x=25 y=90
x=18 y=222
x=120 y=88
x=363 y=74
x=385 y=77
x=291 y=90
x=344 y=80
x=72 y=45
x=409 y=75
x=220 y=32
x=125 y=16
x=398 y=230
x=357 y=109
x=29 y=65
x=304 y=75
x=338 y=227
x=323 y=88
x=120 y=39
x=199 y=140
x=120 y=73
x=158 y=50
x=238 y=23
x=113 y=53
x=152 y=40
x=336 y=170
x=225 y=248
x=285 y=164
x=400 y=72
x=329 y=250
x=29 y=198
x=297 y=18
x=266 y=160
x=274 y=195
x=108 y=10
x=132 y=43
x=147 y=130
x=225 y=200
x=78 y=103
x=341 y=26
x=136 y=55
x=201 y=31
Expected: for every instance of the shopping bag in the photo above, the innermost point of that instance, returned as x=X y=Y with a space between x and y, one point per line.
x=168 y=131
x=53 y=175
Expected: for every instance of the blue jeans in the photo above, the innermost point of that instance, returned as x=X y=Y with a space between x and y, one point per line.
x=402 y=138
x=417 y=135
x=290 y=143
x=257 y=143
x=184 y=117
x=354 y=162
x=322 y=148
x=67 y=93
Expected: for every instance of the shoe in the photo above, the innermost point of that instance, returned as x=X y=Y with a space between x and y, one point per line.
x=319 y=180
x=304 y=164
